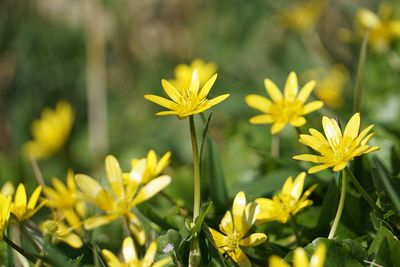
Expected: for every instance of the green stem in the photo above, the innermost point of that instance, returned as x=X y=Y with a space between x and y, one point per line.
x=362 y=191
x=196 y=169
x=340 y=207
x=275 y=146
x=21 y=251
x=295 y=229
x=47 y=240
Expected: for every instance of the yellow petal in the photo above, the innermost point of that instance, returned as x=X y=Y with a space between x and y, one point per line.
x=34 y=198
x=111 y=259
x=340 y=166
x=216 y=100
x=167 y=113
x=318 y=168
x=73 y=240
x=318 y=259
x=291 y=87
x=151 y=160
x=207 y=87
x=114 y=175
x=151 y=188
x=275 y=261
x=163 y=262
x=262 y=119
x=128 y=250
x=226 y=225
x=312 y=106
x=90 y=187
x=298 y=185
x=171 y=91
x=239 y=204
x=277 y=127
x=253 y=240
x=162 y=101
x=310 y=141
x=273 y=91
x=58 y=185
x=300 y=258
x=309 y=157
x=194 y=83
x=298 y=121
x=353 y=126
x=98 y=221
x=251 y=213
x=267 y=210
x=20 y=196
x=258 y=102
x=150 y=254
x=287 y=186
x=332 y=131
x=163 y=162
x=306 y=91
x=240 y=258
x=220 y=239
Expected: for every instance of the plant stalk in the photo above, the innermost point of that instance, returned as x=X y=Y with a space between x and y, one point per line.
x=340 y=207
x=196 y=169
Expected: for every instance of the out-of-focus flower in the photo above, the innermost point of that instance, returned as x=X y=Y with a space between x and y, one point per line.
x=146 y=169
x=336 y=149
x=61 y=232
x=189 y=100
x=5 y=208
x=119 y=200
x=23 y=209
x=330 y=84
x=64 y=199
x=300 y=258
x=302 y=16
x=183 y=73
x=50 y=132
x=7 y=189
x=286 y=203
x=288 y=108
x=131 y=258
x=234 y=226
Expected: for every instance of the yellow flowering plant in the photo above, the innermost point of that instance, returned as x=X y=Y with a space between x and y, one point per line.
x=300 y=258
x=22 y=208
x=5 y=208
x=61 y=232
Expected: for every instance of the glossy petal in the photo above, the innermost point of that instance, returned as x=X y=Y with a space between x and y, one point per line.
x=253 y=240
x=114 y=175
x=128 y=250
x=273 y=90
x=300 y=258
x=352 y=126
x=258 y=102
x=291 y=87
x=151 y=188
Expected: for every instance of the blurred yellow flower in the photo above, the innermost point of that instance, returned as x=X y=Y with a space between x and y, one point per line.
x=189 y=100
x=7 y=189
x=64 y=199
x=286 y=203
x=5 y=208
x=120 y=199
x=50 y=132
x=183 y=73
x=23 y=209
x=300 y=258
x=60 y=232
x=131 y=258
x=331 y=85
x=146 y=169
x=234 y=226
x=336 y=149
x=283 y=109
x=302 y=16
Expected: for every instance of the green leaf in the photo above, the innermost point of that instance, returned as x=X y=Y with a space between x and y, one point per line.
x=385 y=248
x=200 y=219
x=395 y=160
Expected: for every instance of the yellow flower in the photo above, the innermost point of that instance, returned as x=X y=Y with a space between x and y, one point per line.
x=120 y=199
x=189 y=100
x=283 y=109
x=50 y=132
x=131 y=258
x=336 y=149
x=286 y=203
x=183 y=73
x=5 y=207
x=300 y=258
x=146 y=169
x=23 y=209
x=64 y=199
x=302 y=16
x=7 y=189
x=234 y=226
x=331 y=85
x=383 y=29
x=61 y=232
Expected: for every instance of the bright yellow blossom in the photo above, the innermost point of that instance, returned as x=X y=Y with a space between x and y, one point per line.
x=61 y=232
x=183 y=73
x=286 y=203
x=300 y=258
x=119 y=200
x=64 y=199
x=189 y=100
x=303 y=15
x=234 y=226
x=50 y=132
x=7 y=189
x=288 y=108
x=382 y=28
x=146 y=169
x=5 y=208
x=336 y=149
x=23 y=209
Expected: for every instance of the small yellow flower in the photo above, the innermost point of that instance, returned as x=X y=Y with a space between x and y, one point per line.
x=383 y=29
x=234 y=226
x=189 y=100
x=131 y=258
x=183 y=73
x=23 y=209
x=286 y=203
x=5 y=208
x=302 y=16
x=300 y=258
x=283 y=109
x=7 y=189
x=146 y=169
x=64 y=199
x=50 y=132
x=120 y=199
x=336 y=149
x=61 y=232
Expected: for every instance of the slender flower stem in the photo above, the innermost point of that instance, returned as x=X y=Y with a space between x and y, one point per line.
x=37 y=172
x=340 y=207
x=295 y=229
x=362 y=191
x=196 y=169
x=275 y=145
x=24 y=253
